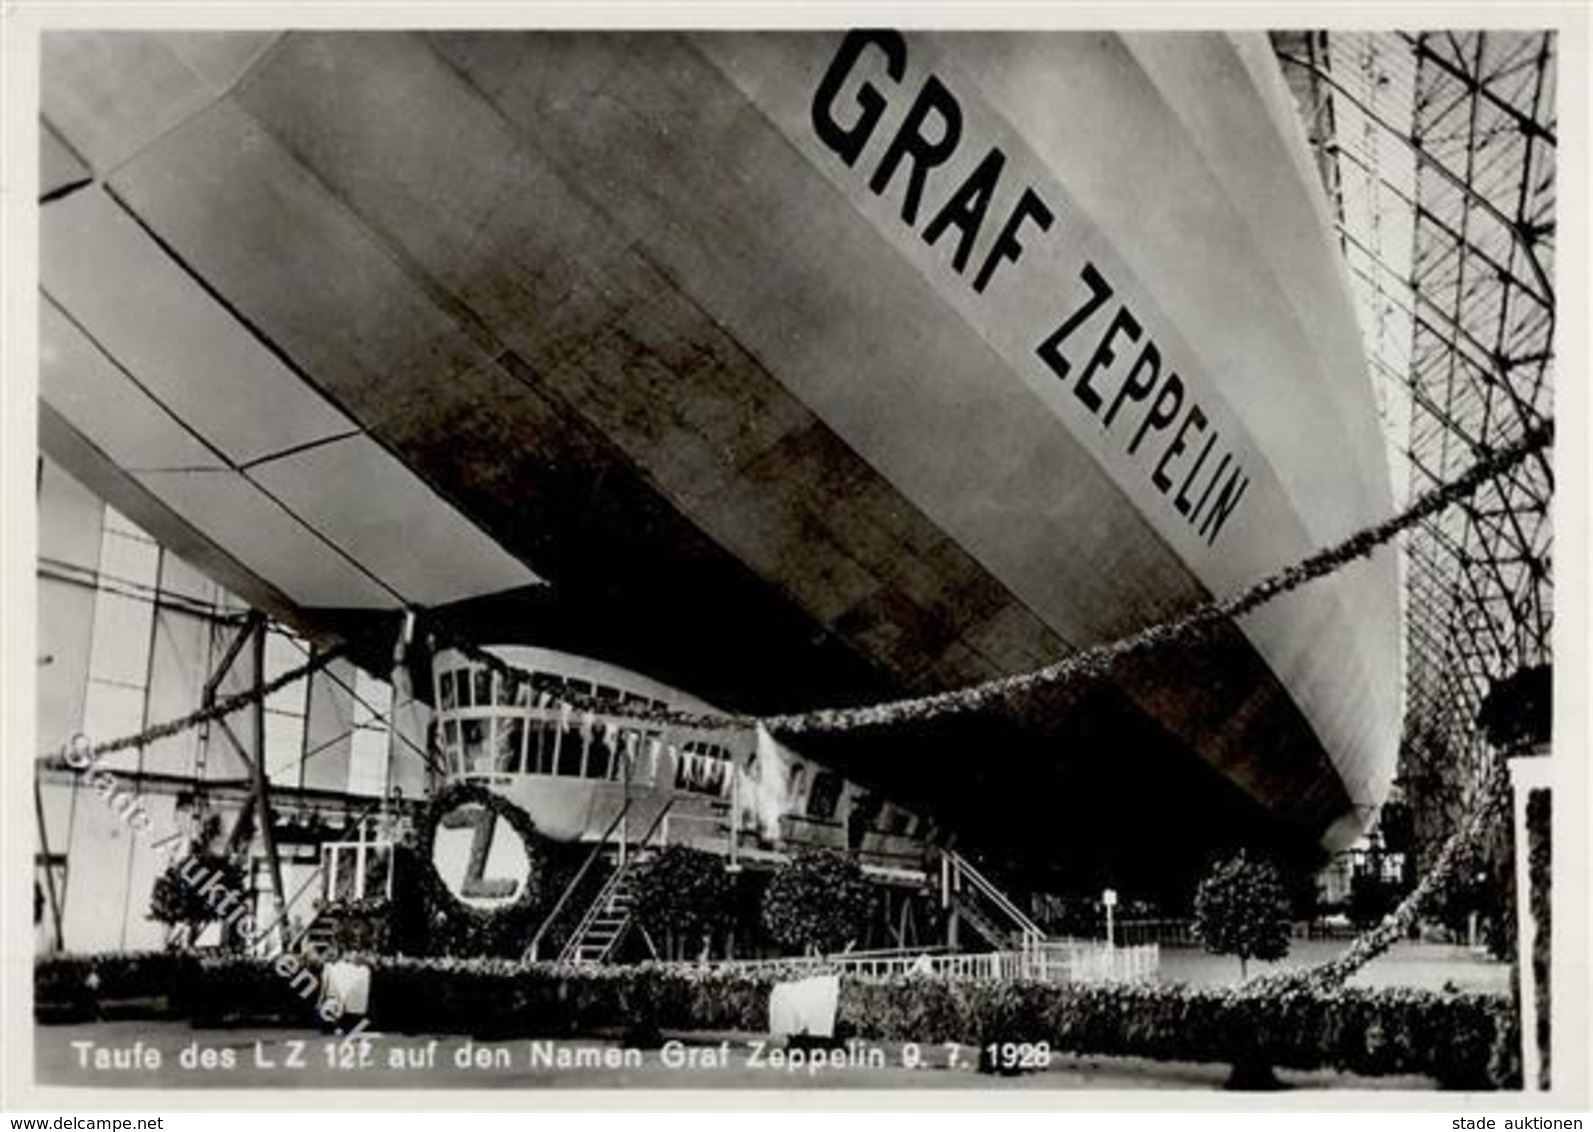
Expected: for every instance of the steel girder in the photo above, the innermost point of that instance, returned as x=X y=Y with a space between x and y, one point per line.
x=1437 y=150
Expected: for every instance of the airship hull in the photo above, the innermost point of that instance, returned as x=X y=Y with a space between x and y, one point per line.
x=793 y=369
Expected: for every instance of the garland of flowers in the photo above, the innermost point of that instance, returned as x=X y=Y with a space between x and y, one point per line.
x=438 y=896
x=1492 y=805
x=225 y=706
x=553 y=689
x=1093 y=663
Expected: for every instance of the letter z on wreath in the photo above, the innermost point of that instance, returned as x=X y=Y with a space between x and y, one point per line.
x=483 y=888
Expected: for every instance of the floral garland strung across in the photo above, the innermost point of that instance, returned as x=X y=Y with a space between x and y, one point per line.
x=1098 y=662
x=481 y=925
x=1094 y=663
x=224 y=706
x=1091 y=663
x=1493 y=804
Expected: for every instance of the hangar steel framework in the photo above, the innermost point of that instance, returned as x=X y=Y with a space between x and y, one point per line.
x=1438 y=150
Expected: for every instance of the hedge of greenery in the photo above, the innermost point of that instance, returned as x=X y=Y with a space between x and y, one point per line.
x=1541 y=872
x=71 y=988
x=209 y=990
x=544 y=1000
x=481 y=997
x=1460 y=1040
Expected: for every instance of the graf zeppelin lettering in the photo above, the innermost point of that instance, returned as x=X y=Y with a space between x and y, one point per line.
x=1099 y=347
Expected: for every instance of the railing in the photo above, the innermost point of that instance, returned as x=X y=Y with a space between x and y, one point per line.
x=1315 y=929
x=1171 y=932
x=580 y=874
x=595 y=909
x=1168 y=932
x=716 y=826
x=263 y=945
x=713 y=830
x=958 y=875
x=660 y=820
x=604 y=894
x=1072 y=962
x=1050 y=961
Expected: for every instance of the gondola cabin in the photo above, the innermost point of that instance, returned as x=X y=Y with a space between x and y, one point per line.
x=585 y=776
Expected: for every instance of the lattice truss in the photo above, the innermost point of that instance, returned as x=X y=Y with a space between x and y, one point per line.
x=1438 y=153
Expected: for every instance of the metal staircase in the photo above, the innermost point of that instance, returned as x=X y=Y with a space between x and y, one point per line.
x=606 y=921
x=608 y=915
x=970 y=896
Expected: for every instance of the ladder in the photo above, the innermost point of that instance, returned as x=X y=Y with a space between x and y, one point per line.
x=608 y=915
x=607 y=919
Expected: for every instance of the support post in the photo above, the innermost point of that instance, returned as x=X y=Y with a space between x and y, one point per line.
x=735 y=816
x=402 y=705
x=49 y=867
x=207 y=699
x=262 y=792
x=1527 y=773
x=627 y=753
x=950 y=885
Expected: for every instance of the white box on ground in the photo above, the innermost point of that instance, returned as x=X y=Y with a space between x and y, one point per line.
x=350 y=983
x=805 y=1007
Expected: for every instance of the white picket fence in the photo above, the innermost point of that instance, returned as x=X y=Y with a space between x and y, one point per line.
x=1053 y=961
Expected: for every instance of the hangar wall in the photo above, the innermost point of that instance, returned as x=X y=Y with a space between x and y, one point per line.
x=128 y=633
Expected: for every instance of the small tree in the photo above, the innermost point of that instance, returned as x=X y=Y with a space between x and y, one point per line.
x=180 y=905
x=1242 y=908
x=683 y=895
x=1476 y=892
x=819 y=901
